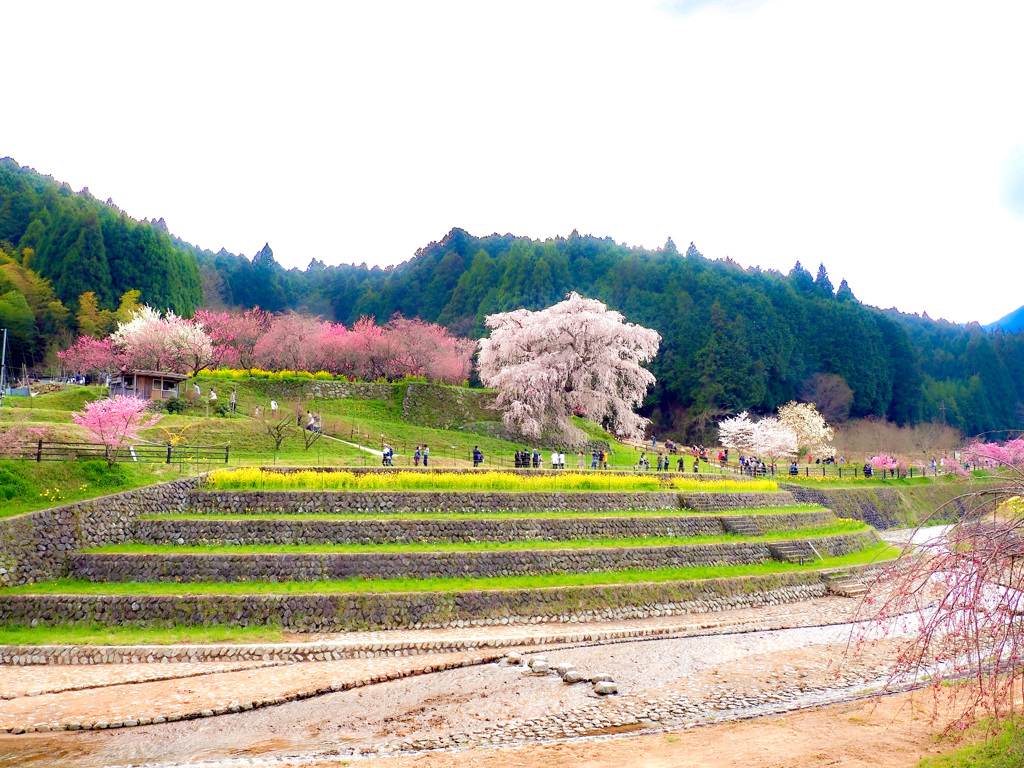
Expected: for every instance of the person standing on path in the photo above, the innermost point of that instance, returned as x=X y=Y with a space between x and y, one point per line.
x=273 y=406
x=234 y=400
x=426 y=454
x=580 y=461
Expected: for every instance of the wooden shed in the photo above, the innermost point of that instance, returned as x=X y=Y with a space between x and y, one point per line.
x=148 y=385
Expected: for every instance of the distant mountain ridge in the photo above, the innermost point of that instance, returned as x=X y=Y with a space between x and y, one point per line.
x=1011 y=323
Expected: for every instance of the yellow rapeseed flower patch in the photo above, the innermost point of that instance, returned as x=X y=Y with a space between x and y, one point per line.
x=253 y=478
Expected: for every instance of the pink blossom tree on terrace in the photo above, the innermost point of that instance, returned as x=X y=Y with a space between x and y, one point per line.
x=427 y=349
x=289 y=344
x=575 y=356
x=89 y=355
x=115 y=422
x=235 y=335
x=370 y=351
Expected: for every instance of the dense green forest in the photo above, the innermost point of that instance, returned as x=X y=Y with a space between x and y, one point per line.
x=733 y=338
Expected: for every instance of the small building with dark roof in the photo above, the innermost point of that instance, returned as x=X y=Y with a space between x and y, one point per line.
x=147 y=385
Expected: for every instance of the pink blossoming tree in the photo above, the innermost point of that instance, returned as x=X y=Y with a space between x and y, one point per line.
x=289 y=344
x=575 y=356
x=234 y=335
x=89 y=355
x=965 y=589
x=115 y=422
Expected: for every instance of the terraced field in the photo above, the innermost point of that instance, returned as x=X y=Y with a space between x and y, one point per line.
x=352 y=559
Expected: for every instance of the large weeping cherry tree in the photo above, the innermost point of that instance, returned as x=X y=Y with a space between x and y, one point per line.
x=573 y=357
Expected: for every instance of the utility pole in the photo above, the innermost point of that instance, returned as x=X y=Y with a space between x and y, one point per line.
x=942 y=407
x=3 y=368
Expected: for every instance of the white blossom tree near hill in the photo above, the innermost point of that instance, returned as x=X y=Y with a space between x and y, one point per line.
x=573 y=357
x=813 y=435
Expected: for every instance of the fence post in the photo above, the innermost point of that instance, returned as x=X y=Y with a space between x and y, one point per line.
x=227 y=449
x=39 y=452
x=168 y=453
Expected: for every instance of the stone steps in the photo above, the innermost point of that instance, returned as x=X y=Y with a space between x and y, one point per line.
x=742 y=525
x=845 y=584
x=793 y=552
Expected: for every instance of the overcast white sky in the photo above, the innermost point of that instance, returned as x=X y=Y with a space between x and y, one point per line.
x=884 y=138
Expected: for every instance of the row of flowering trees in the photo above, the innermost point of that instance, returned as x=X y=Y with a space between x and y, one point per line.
x=257 y=339
x=798 y=430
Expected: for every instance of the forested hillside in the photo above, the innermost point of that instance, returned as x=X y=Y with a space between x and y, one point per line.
x=733 y=338
x=79 y=244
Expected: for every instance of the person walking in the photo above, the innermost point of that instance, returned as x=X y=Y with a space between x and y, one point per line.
x=234 y=400
x=426 y=454
x=478 y=456
x=554 y=459
x=580 y=461
x=416 y=457
x=273 y=406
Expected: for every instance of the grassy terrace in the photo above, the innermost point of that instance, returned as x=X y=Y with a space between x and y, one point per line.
x=795 y=509
x=97 y=634
x=846 y=526
x=312 y=480
x=26 y=486
x=870 y=482
x=879 y=552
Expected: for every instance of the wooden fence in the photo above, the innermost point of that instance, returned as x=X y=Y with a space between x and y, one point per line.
x=42 y=450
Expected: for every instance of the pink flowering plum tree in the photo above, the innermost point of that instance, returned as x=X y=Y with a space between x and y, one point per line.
x=234 y=335
x=575 y=356
x=115 y=422
x=90 y=355
x=332 y=349
x=289 y=344
x=427 y=349
x=14 y=438
x=370 y=351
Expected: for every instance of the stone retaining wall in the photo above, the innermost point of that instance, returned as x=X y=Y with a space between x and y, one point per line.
x=465 y=529
x=227 y=567
x=35 y=546
x=306 y=502
x=363 y=611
